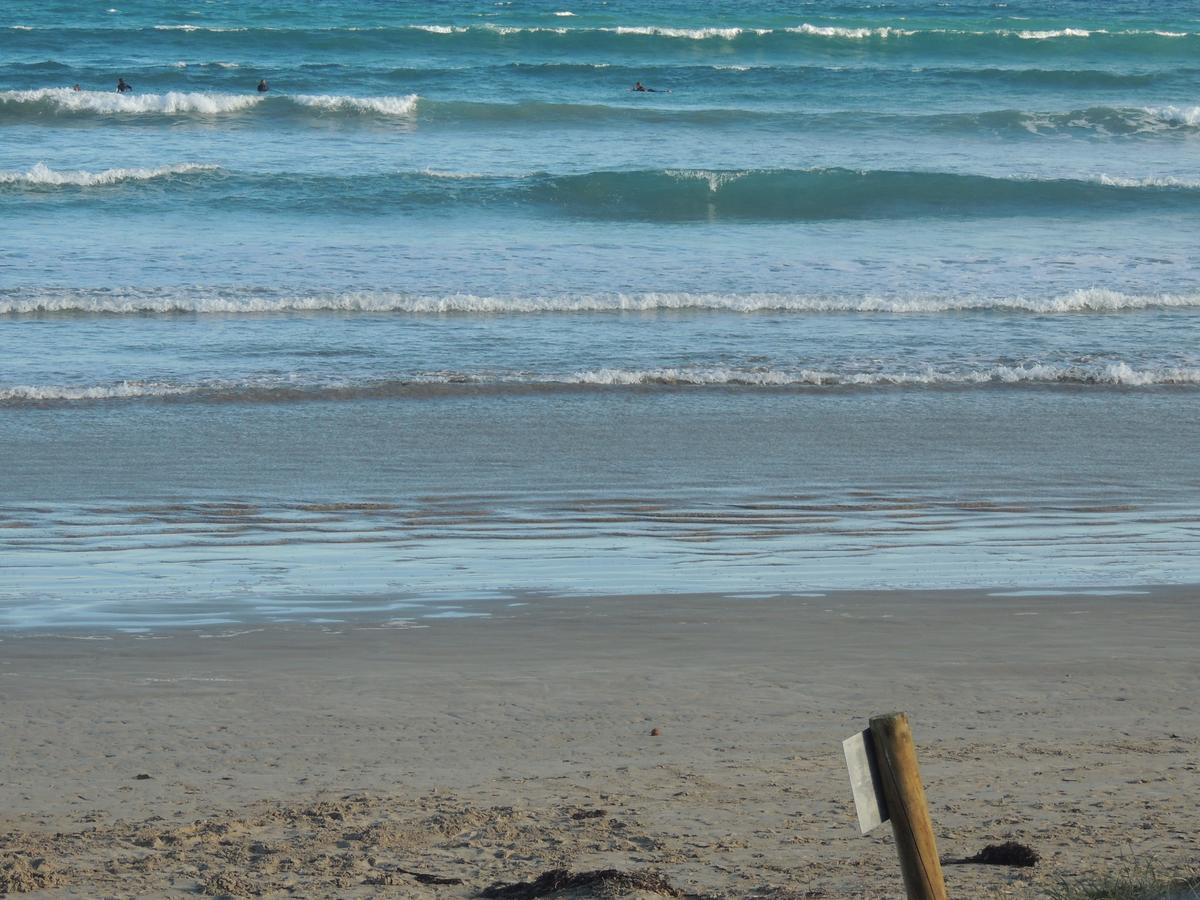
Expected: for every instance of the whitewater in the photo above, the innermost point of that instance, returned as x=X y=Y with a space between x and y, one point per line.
x=939 y=253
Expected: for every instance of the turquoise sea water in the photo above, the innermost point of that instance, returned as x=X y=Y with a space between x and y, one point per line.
x=862 y=294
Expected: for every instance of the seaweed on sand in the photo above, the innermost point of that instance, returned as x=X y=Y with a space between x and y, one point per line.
x=1010 y=853
x=601 y=880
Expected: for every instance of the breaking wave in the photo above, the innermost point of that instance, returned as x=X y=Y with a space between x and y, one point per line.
x=764 y=74
x=247 y=302
x=723 y=32
x=385 y=106
x=50 y=103
x=286 y=389
x=65 y=101
x=896 y=38
x=1117 y=373
x=41 y=175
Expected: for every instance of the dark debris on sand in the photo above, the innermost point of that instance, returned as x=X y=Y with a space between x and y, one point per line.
x=603 y=882
x=1010 y=853
x=395 y=877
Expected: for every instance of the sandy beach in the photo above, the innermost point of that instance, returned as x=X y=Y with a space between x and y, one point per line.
x=358 y=759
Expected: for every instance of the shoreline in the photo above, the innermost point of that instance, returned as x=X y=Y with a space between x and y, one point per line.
x=1065 y=721
x=402 y=610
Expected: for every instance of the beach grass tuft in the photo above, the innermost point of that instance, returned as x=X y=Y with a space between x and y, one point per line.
x=1136 y=881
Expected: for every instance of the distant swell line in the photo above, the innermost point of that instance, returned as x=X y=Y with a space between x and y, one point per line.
x=759 y=73
x=19 y=301
x=728 y=33
x=49 y=103
x=1115 y=374
x=689 y=194
x=1105 y=120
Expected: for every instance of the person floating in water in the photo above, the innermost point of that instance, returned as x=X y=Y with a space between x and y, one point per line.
x=123 y=87
x=640 y=88
x=76 y=88
x=263 y=87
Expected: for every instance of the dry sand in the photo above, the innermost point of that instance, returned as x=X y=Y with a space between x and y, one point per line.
x=338 y=760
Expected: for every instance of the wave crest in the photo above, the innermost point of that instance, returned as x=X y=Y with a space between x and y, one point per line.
x=1115 y=373
x=856 y=34
x=40 y=103
x=694 y=34
x=387 y=106
x=65 y=101
x=40 y=175
x=281 y=389
x=234 y=302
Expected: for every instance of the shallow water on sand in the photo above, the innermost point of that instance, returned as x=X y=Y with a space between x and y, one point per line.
x=403 y=505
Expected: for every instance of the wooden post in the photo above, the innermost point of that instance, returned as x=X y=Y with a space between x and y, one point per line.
x=897 y=761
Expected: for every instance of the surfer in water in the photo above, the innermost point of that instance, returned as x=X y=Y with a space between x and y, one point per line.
x=640 y=88
x=123 y=87
x=263 y=87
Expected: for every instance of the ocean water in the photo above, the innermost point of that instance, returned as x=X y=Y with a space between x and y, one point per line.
x=863 y=294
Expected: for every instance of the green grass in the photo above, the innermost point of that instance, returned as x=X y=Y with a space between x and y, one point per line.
x=1134 y=882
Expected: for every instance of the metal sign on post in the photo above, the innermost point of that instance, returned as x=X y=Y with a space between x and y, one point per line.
x=869 y=801
x=887 y=788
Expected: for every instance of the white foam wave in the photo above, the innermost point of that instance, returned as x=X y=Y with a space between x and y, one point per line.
x=850 y=33
x=212 y=28
x=172 y=103
x=42 y=175
x=1114 y=374
x=695 y=34
x=1117 y=373
x=1152 y=181
x=1176 y=115
x=1056 y=33
x=886 y=31
x=564 y=12
x=514 y=29
x=178 y=103
x=125 y=390
x=388 y=106
x=838 y=32
x=1093 y=300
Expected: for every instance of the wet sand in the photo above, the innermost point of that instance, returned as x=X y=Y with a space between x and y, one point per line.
x=323 y=760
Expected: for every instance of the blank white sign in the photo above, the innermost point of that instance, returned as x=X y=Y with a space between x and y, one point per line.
x=864 y=781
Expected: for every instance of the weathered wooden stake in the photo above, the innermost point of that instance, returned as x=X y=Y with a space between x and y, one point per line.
x=905 y=794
